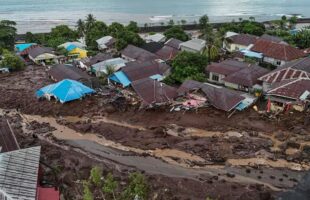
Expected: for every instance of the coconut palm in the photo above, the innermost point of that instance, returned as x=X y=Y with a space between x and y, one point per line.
x=90 y=21
x=80 y=27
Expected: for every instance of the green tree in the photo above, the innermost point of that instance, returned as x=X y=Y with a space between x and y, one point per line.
x=137 y=187
x=11 y=61
x=302 y=39
x=208 y=35
x=90 y=21
x=95 y=176
x=97 y=30
x=63 y=31
x=170 y=22
x=176 y=32
x=116 y=30
x=183 y=22
x=133 y=26
x=187 y=66
x=87 y=194
x=110 y=185
x=80 y=25
x=7 y=34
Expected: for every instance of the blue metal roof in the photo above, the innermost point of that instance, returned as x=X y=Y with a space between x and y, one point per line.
x=65 y=90
x=120 y=77
x=71 y=47
x=22 y=47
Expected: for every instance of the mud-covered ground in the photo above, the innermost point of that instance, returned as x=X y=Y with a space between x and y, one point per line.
x=249 y=149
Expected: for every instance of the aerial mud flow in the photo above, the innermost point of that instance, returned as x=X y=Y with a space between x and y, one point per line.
x=184 y=155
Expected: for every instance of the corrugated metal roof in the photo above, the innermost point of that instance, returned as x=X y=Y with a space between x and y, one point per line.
x=121 y=78
x=19 y=173
x=8 y=140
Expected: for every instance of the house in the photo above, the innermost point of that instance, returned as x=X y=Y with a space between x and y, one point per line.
x=170 y=49
x=77 y=44
x=8 y=140
x=302 y=23
x=273 y=39
x=86 y=63
x=64 y=91
x=41 y=55
x=152 y=92
x=219 y=97
x=133 y=53
x=238 y=42
x=76 y=52
x=157 y=37
x=61 y=72
x=135 y=71
x=106 y=43
x=291 y=71
x=19 y=176
x=289 y=94
x=101 y=67
x=236 y=75
x=21 y=47
x=194 y=45
x=276 y=54
x=152 y=47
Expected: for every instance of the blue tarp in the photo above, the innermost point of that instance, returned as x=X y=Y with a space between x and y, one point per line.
x=71 y=47
x=120 y=77
x=65 y=90
x=252 y=54
x=157 y=77
x=22 y=47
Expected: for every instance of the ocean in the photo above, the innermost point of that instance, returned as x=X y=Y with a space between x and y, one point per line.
x=42 y=15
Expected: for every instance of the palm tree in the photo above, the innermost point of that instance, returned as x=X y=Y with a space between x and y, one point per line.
x=90 y=21
x=80 y=27
x=208 y=34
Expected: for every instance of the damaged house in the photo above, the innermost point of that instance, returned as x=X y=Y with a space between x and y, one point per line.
x=219 y=97
x=152 y=92
x=236 y=42
x=170 y=50
x=289 y=94
x=134 y=71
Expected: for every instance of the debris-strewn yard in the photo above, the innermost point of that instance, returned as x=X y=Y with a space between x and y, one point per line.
x=199 y=154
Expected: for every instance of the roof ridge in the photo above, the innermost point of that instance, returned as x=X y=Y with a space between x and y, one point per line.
x=289 y=83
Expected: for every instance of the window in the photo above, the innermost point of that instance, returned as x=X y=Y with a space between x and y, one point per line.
x=208 y=75
x=215 y=77
x=279 y=62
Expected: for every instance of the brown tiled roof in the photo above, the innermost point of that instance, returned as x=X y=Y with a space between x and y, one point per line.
x=167 y=53
x=226 y=67
x=8 y=141
x=188 y=86
x=277 y=51
x=243 y=39
x=222 y=98
x=38 y=50
x=174 y=43
x=137 y=70
x=26 y=51
x=152 y=47
x=60 y=72
x=99 y=58
x=291 y=89
x=292 y=70
x=247 y=76
x=137 y=53
x=152 y=91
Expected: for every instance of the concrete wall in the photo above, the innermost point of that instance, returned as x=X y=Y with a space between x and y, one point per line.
x=183 y=48
x=273 y=61
x=231 y=47
x=220 y=81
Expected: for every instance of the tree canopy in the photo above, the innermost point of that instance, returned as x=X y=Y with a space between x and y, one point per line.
x=7 y=34
x=176 y=32
x=246 y=26
x=11 y=61
x=188 y=66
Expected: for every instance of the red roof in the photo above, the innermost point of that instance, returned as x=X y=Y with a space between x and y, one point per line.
x=277 y=50
x=226 y=67
x=292 y=70
x=243 y=39
x=47 y=194
x=291 y=89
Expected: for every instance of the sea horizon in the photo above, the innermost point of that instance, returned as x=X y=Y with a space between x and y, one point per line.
x=41 y=15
